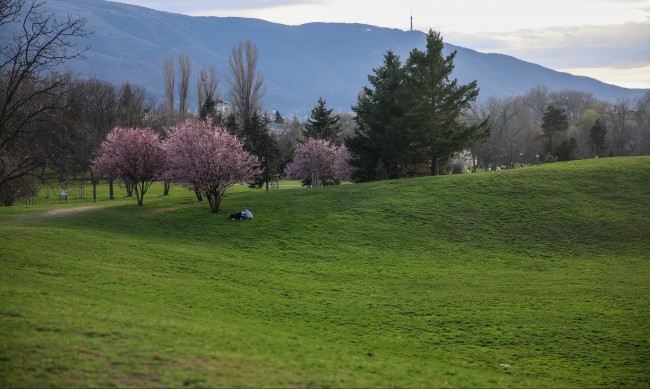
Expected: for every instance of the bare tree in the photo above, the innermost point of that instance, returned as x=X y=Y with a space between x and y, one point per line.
x=81 y=128
x=623 y=137
x=170 y=80
x=207 y=85
x=30 y=90
x=574 y=103
x=642 y=116
x=246 y=85
x=512 y=140
x=185 y=70
x=618 y=114
x=135 y=106
x=538 y=99
x=10 y=11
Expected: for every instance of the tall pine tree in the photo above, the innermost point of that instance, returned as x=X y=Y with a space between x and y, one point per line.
x=323 y=124
x=436 y=103
x=554 y=124
x=259 y=142
x=381 y=145
x=412 y=116
x=598 y=139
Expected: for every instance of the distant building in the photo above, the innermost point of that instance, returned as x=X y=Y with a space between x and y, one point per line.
x=223 y=108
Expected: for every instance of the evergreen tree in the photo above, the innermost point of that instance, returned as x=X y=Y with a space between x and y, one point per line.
x=322 y=124
x=278 y=118
x=413 y=115
x=598 y=139
x=231 y=125
x=436 y=103
x=209 y=109
x=259 y=142
x=553 y=125
x=381 y=144
x=565 y=150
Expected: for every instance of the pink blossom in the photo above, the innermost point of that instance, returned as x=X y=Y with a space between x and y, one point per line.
x=342 y=167
x=208 y=159
x=330 y=161
x=134 y=154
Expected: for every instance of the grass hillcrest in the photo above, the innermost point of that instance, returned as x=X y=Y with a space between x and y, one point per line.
x=534 y=277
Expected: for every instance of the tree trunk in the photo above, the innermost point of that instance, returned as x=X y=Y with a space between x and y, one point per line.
x=434 y=166
x=111 y=196
x=214 y=201
x=166 y=185
x=92 y=178
x=139 y=192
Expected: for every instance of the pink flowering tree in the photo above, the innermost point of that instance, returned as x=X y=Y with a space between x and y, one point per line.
x=207 y=158
x=342 y=168
x=330 y=161
x=133 y=154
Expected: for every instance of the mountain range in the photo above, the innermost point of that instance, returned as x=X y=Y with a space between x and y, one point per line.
x=299 y=63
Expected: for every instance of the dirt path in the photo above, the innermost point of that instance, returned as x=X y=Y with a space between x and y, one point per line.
x=69 y=211
x=51 y=213
x=58 y=212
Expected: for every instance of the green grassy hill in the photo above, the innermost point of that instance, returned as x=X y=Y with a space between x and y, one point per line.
x=536 y=277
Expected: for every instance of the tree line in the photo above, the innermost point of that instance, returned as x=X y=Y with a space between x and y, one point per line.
x=411 y=119
x=56 y=123
x=544 y=126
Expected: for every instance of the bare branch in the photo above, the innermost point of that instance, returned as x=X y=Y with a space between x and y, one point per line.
x=185 y=65
x=31 y=91
x=246 y=86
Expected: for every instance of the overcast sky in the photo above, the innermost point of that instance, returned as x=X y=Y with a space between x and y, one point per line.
x=605 y=39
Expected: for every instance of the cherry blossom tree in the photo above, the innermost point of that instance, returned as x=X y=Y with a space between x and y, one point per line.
x=330 y=161
x=342 y=168
x=134 y=154
x=207 y=158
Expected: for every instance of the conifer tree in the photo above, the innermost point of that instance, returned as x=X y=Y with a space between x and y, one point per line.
x=323 y=124
x=413 y=116
x=598 y=139
x=436 y=103
x=259 y=142
x=209 y=109
x=278 y=118
x=553 y=125
x=381 y=143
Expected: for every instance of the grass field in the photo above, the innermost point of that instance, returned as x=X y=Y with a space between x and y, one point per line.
x=536 y=277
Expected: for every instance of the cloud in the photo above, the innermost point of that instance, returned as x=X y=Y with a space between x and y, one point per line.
x=558 y=34
x=205 y=7
x=568 y=47
x=617 y=54
x=627 y=76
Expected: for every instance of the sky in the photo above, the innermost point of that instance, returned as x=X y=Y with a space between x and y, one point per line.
x=605 y=39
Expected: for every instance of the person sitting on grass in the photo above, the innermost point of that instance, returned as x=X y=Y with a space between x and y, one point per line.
x=241 y=215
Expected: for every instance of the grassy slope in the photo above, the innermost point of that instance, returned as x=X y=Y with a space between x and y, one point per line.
x=419 y=282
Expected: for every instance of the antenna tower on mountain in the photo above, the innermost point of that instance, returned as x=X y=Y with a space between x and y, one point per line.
x=411 y=19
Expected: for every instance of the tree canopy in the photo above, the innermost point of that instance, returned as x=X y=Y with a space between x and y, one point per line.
x=413 y=116
x=134 y=154
x=554 y=124
x=32 y=94
x=208 y=159
x=322 y=124
x=382 y=143
x=325 y=158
